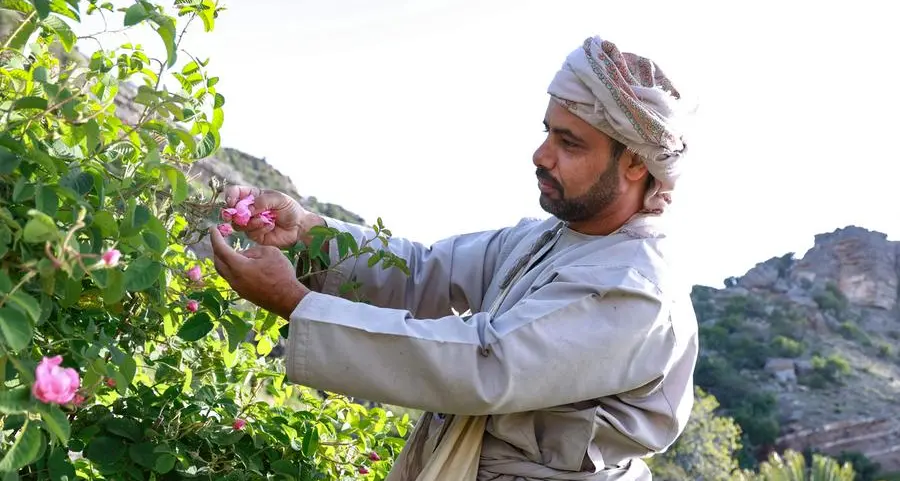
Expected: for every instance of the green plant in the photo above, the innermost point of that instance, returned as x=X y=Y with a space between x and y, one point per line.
x=793 y=466
x=787 y=347
x=826 y=371
x=96 y=271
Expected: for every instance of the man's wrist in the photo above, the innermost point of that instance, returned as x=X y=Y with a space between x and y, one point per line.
x=292 y=298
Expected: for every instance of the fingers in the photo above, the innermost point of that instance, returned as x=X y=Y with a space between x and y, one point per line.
x=223 y=252
x=233 y=193
x=270 y=200
x=222 y=269
x=255 y=252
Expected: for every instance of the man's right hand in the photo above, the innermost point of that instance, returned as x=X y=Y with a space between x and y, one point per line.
x=292 y=221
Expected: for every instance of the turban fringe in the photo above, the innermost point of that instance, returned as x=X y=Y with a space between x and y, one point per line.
x=629 y=98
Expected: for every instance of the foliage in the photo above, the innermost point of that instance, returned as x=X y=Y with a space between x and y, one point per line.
x=793 y=466
x=786 y=347
x=166 y=391
x=831 y=299
x=826 y=371
x=705 y=450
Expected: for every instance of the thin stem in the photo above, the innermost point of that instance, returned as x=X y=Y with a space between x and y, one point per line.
x=19 y=29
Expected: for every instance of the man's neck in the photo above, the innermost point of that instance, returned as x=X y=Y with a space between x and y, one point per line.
x=603 y=223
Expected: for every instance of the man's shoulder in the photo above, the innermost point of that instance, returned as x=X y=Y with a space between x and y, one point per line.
x=636 y=262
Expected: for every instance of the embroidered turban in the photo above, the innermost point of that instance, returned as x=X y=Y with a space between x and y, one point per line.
x=629 y=98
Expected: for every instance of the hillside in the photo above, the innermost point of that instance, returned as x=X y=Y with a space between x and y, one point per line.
x=802 y=351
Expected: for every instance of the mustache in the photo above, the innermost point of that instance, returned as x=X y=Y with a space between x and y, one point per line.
x=543 y=174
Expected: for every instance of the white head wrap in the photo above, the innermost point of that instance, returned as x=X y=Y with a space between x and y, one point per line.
x=630 y=99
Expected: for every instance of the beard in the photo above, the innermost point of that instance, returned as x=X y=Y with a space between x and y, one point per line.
x=600 y=196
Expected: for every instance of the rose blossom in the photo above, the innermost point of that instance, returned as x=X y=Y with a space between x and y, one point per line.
x=55 y=384
x=111 y=257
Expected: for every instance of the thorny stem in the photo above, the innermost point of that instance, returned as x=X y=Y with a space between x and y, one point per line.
x=27 y=277
x=19 y=29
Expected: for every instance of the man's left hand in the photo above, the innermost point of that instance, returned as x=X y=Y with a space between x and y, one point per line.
x=260 y=274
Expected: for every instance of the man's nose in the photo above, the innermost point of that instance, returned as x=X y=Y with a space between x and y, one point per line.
x=543 y=157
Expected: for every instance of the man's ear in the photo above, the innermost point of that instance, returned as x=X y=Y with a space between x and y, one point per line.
x=635 y=168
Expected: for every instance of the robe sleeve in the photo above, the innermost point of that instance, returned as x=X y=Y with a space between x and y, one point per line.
x=453 y=272
x=589 y=333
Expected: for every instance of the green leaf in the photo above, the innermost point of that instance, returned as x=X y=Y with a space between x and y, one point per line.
x=42 y=7
x=60 y=466
x=66 y=8
x=9 y=160
x=219 y=101
x=143 y=454
x=40 y=228
x=47 y=201
x=63 y=31
x=310 y=441
x=56 y=422
x=27 y=305
x=164 y=463
x=135 y=218
x=72 y=293
x=23 y=6
x=237 y=330
x=178 y=183
x=285 y=467
x=80 y=182
x=105 y=450
x=128 y=368
x=15 y=400
x=92 y=136
x=125 y=427
x=136 y=14
x=264 y=346
x=142 y=273
x=104 y=220
x=30 y=102
x=167 y=34
x=196 y=327
x=207 y=145
x=115 y=286
x=24 y=450
x=16 y=329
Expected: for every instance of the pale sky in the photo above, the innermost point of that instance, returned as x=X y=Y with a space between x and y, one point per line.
x=427 y=112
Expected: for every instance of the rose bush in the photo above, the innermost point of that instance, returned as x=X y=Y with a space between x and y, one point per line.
x=123 y=355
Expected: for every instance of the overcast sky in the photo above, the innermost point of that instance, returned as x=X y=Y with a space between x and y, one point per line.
x=426 y=113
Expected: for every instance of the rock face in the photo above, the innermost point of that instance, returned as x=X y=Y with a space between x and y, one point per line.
x=829 y=325
x=862 y=263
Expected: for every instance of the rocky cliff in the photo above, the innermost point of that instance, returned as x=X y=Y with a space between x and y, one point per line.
x=816 y=335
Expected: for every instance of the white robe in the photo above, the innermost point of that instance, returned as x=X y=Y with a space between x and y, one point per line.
x=586 y=367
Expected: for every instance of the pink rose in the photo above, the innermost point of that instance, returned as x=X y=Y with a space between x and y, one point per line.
x=192 y=305
x=194 y=273
x=240 y=213
x=54 y=384
x=363 y=470
x=111 y=257
x=225 y=229
x=239 y=424
x=110 y=382
x=374 y=456
x=267 y=217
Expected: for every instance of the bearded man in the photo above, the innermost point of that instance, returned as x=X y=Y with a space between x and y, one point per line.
x=578 y=359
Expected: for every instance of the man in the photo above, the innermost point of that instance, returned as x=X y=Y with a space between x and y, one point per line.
x=580 y=350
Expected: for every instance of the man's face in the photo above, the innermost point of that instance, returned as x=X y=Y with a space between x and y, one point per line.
x=577 y=176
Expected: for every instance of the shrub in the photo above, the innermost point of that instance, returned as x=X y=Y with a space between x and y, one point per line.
x=125 y=355
x=787 y=347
